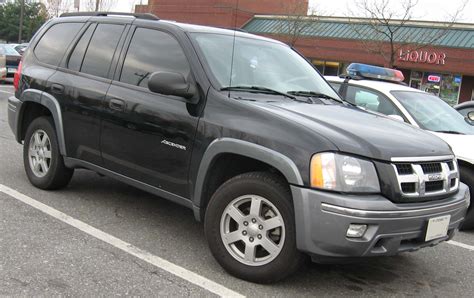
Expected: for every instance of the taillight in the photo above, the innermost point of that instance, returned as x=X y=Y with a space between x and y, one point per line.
x=17 y=77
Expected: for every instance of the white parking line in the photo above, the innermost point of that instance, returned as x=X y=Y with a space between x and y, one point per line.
x=179 y=271
x=11 y=93
x=470 y=247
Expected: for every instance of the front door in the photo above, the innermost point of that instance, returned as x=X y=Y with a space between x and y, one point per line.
x=148 y=136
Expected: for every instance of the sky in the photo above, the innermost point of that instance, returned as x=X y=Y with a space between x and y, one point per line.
x=431 y=10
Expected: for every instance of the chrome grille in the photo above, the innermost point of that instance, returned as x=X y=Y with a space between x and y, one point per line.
x=426 y=178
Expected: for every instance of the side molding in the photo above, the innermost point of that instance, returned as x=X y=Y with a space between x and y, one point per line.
x=228 y=145
x=47 y=100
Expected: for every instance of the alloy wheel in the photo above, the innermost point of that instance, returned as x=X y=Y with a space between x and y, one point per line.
x=252 y=230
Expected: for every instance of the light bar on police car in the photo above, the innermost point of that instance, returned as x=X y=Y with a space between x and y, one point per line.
x=375 y=72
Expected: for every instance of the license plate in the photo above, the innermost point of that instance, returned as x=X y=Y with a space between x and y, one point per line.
x=11 y=70
x=437 y=227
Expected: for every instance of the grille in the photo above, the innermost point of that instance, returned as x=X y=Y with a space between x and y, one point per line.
x=450 y=165
x=425 y=179
x=453 y=182
x=404 y=169
x=432 y=186
x=430 y=168
x=408 y=187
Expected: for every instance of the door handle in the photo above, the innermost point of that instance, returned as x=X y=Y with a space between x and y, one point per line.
x=117 y=104
x=57 y=89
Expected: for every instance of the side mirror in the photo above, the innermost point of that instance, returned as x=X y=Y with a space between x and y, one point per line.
x=397 y=117
x=171 y=83
x=470 y=116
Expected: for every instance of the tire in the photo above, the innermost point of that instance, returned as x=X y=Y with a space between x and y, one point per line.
x=241 y=192
x=50 y=172
x=467 y=177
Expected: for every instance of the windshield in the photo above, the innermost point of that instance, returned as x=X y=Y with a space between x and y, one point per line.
x=259 y=63
x=432 y=113
x=7 y=50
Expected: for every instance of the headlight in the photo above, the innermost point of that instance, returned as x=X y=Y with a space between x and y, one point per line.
x=343 y=173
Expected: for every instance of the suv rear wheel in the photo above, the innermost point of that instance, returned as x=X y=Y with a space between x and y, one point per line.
x=43 y=162
x=250 y=228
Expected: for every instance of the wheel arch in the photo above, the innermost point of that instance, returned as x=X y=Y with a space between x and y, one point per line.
x=241 y=149
x=36 y=97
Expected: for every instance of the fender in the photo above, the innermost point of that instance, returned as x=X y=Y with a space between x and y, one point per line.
x=51 y=103
x=228 y=145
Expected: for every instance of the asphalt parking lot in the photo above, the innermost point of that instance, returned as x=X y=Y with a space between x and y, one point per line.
x=101 y=237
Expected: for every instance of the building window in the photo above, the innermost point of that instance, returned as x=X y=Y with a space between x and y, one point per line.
x=450 y=85
x=319 y=65
x=445 y=86
x=329 y=68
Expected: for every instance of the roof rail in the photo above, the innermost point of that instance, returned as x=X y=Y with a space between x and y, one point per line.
x=144 y=16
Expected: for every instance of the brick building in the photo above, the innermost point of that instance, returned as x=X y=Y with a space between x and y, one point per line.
x=445 y=67
x=220 y=13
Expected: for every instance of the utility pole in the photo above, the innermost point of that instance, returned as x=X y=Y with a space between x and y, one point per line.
x=22 y=15
x=97 y=5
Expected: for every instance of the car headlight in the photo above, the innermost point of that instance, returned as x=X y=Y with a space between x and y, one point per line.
x=343 y=173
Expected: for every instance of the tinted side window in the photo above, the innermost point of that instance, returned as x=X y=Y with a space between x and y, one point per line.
x=151 y=51
x=101 y=49
x=75 y=61
x=50 y=49
x=371 y=100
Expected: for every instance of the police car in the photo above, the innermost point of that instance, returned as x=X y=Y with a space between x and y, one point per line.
x=380 y=90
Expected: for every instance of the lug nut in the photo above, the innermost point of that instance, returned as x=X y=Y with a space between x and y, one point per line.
x=251 y=239
x=244 y=233
x=260 y=227
x=246 y=223
x=254 y=220
x=259 y=236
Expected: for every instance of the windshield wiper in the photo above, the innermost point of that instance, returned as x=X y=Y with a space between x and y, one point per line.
x=317 y=95
x=257 y=89
x=450 y=131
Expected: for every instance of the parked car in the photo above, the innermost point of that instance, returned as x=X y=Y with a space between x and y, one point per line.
x=467 y=110
x=21 y=48
x=237 y=127
x=379 y=90
x=13 y=58
x=3 y=68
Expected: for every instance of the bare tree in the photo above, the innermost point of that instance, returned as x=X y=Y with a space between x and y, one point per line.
x=99 y=5
x=57 y=7
x=382 y=33
x=293 y=23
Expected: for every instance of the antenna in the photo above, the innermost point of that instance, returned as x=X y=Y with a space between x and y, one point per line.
x=233 y=46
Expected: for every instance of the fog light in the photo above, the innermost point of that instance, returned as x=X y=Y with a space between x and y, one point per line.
x=356 y=230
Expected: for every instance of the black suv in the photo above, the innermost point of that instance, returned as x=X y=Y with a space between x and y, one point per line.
x=240 y=128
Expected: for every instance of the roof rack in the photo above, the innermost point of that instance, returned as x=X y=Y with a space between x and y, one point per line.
x=144 y=16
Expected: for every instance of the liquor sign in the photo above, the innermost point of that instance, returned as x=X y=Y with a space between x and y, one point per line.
x=421 y=56
x=434 y=79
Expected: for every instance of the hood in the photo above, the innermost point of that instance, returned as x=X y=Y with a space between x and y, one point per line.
x=461 y=144
x=354 y=131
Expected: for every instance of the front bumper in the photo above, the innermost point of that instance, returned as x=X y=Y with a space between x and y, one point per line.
x=322 y=220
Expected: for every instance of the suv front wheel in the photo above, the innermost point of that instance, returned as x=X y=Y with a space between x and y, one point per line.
x=44 y=165
x=250 y=228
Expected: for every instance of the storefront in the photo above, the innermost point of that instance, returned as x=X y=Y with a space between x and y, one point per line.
x=445 y=85
x=445 y=67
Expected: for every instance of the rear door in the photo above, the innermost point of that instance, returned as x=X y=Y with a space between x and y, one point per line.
x=145 y=135
x=81 y=84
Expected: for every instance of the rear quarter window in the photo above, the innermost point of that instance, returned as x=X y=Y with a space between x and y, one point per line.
x=53 y=44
